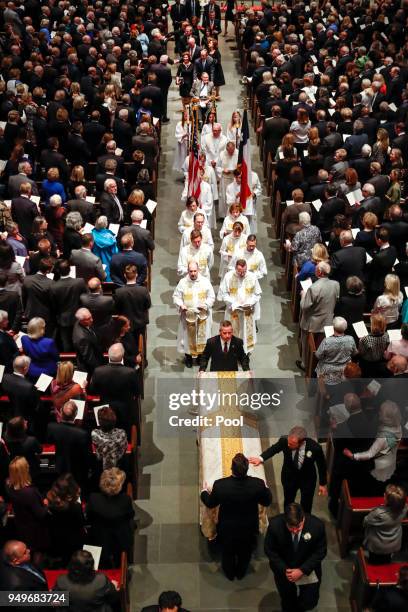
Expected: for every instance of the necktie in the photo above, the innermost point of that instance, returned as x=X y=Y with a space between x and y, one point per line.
x=119 y=205
x=296 y=459
x=225 y=348
x=295 y=541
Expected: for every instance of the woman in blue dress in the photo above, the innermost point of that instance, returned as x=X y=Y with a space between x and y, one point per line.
x=104 y=243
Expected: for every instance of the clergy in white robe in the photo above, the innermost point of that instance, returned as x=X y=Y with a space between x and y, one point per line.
x=182 y=136
x=256 y=192
x=228 y=163
x=253 y=257
x=194 y=298
x=186 y=219
x=206 y=201
x=196 y=251
x=241 y=293
x=199 y=220
x=210 y=171
x=231 y=244
x=234 y=215
x=214 y=144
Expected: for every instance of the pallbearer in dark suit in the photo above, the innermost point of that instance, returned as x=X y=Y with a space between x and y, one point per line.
x=295 y=545
x=225 y=351
x=168 y=600
x=301 y=455
x=238 y=497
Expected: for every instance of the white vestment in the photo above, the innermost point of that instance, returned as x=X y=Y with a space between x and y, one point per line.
x=206 y=202
x=255 y=261
x=203 y=256
x=229 y=222
x=186 y=220
x=242 y=308
x=227 y=162
x=205 y=232
x=229 y=246
x=191 y=338
x=182 y=136
x=213 y=147
x=210 y=172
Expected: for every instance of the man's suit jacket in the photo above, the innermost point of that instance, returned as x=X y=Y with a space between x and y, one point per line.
x=221 y=362
x=22 y=394
x=72 y=448
x=348 y=261
x=87 y=264
x=238 y=499
x=65 y=294
x=318 y=304
x=110 y=208
x=274 y=130
x=101 y=306
x=148 y=145
x=16 y=578
x=101 y=168
x=54 y=159
x=310 y=551
x=10 y=301
x=100 y=182
x=399 y=142
x=307 y=472
x=92 y=134
x=86 y=209
x=156 y=608
x=77 y=150
x=133 y=302
x=8 y=350
x=379 y=267
x=36 y=297
x=24 y=212
x=143 y=241
x=391 y=599
x=120 y=260
x=15 y=182
x=206 y=13
x=329 y=209
x=206 y=66
x=398 y=236
x=189 y=9
x=87 y=346
x=118 y=386
x=381 y=183
x=196 y=88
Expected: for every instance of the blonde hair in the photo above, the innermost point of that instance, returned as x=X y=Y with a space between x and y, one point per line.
x=111 y=481
x=319 y=253
x=53 y=174
x=136 y=197
x=65 y=372
x=19 y=473
x=77 y=173
x=378 y=324
x=392 y=286
x=370 y=220
x=36 y=328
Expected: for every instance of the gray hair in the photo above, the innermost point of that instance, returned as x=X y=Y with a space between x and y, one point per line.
x=55 y=200
x=82 y=313
x=137 y=215
x=108 y=183
x=3 y=315
x=304 y=218
x=116 y=352
x=21 y=363
x=389 y=414
x=366 y=150
x=80 y=192
x=74 y=221
x=101 y=222
x=339 y=325
x=323 y=268
x=370 y=188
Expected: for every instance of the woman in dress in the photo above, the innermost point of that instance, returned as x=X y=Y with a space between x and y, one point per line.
x=182 y=135
x=9 y=266
x=184 y=78
x=334 y=353
x=390 y=301
x=218 y=77
x=52 y=185
x=234 y=128
x=105 y=245
x=371 y=348
x=41 y=350
x=63 y=388
x=110 y=443
x=229 y=14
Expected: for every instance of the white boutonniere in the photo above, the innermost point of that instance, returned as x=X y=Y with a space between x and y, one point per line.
x=307 y=536
x=309 y=454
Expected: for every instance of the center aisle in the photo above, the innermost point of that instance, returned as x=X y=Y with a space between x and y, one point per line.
x=169 y=550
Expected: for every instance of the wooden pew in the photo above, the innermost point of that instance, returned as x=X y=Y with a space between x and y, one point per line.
x=295 y=295
x=367 y=579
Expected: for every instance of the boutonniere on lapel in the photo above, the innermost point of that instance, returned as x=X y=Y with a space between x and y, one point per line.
x=307 y=536
x=309 y=454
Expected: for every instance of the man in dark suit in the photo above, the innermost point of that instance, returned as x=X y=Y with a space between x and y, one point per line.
x=86 y=343
x=381 y=264
x=274 y=129
x=8 y=347
x=348 y=261
x=142 y=238
x=163 y=81
x=100 y=306
x=145 y=142
x=394 y=598
x=301 y=456
x=77 y=150
x=193 y=9
x=10 y=301
x=332 y=205
x=133 y=302
x=122 y=132
x=118 y=168
x=204 y=64
x=238 y=497
x=118 y=386
x=72 y=444
x=211 y=7
x=22 y=394
x=23 y=210
x=401 y=140
x=296 y=545
x=52 y=158
x=111 y=172
x=398 y=230
x=93 y=132
x=87 y=264
x=79 y=204
x=169 y=601
x=127 y=256
x=17 y=573
x=110 y=203
x=65 y=297
x=153 y=93
x=380 y=181
x=25 y=170
x=36 y=295
x=225 y=351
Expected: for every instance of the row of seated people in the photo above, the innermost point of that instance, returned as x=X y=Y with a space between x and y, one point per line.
x=337 y=200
